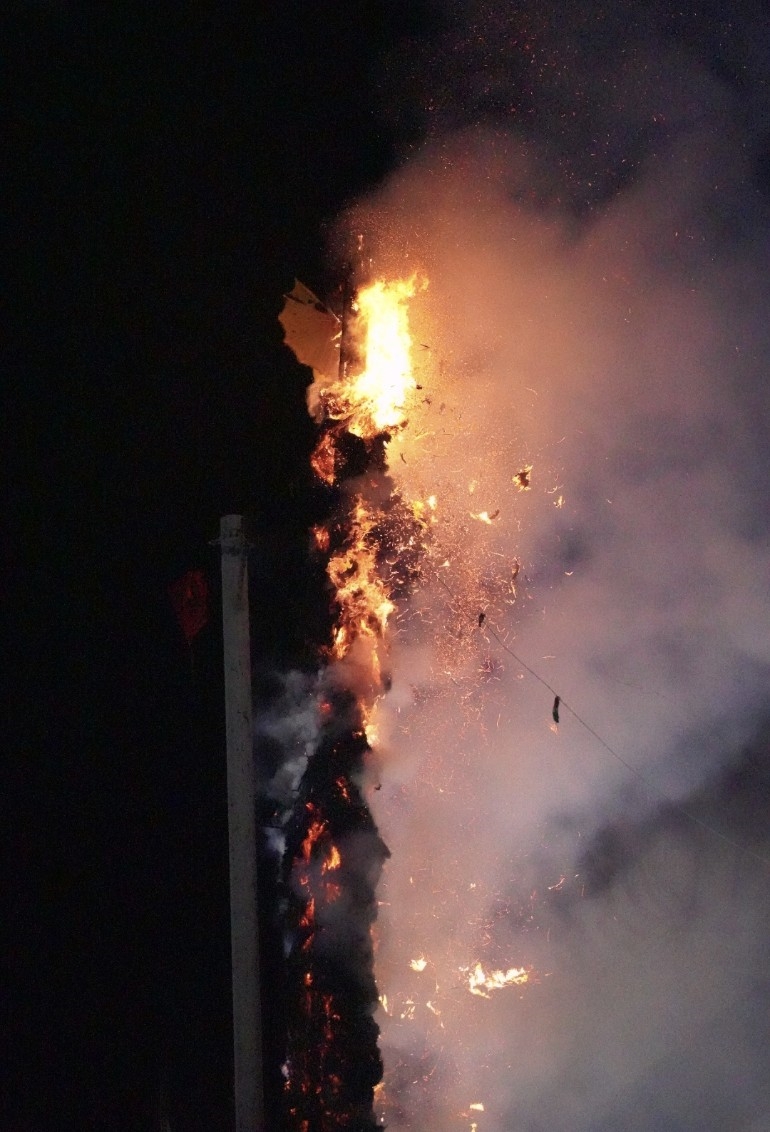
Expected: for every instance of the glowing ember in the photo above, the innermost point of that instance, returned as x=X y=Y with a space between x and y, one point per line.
x=324 y=459
x=317 y=828
x=320 y=536
x=482 y=984
x=418 y=964
x=359 y=590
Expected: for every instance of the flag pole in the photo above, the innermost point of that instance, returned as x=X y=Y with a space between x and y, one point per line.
x=241 y=817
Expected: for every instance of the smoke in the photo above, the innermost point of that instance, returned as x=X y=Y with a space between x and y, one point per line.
x=287 y=728
x=590 y=208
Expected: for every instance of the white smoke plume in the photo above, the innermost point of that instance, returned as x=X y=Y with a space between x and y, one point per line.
x=608 y=327
x=287 y=728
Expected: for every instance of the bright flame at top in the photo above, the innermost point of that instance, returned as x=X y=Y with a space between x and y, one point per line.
x=378 y=395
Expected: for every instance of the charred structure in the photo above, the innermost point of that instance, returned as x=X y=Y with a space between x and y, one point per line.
x=333 y=860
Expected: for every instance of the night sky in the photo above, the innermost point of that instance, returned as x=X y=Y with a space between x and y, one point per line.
x=173 y=168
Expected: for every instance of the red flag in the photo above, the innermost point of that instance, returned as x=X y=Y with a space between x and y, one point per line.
x=190 y=599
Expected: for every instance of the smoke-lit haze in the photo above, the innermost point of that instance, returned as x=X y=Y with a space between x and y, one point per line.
x=590 y=213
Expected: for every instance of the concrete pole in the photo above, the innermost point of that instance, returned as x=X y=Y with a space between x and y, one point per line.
x=241 y=811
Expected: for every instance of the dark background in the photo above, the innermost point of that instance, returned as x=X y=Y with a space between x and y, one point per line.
x=173 y=167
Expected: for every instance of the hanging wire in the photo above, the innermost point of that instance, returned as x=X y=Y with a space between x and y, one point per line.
x=560 y=702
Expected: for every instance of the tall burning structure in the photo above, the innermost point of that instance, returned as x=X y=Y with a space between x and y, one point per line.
x=334 y=855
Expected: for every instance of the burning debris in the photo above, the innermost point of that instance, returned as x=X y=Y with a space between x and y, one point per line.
x=522 y=479
x=482 y=984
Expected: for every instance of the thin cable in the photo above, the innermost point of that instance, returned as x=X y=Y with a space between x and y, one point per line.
x=603 y=742
x=629 y=766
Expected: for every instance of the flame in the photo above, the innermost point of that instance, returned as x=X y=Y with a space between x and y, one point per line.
x=367 y=400
x=370 y=730
x=379 y=393
x=482 y=984
x=425 y=511
x=359 y=589
x=324 y=458
x=316 y=830
x=418 y=964
x=321 y=537
x=368 y=397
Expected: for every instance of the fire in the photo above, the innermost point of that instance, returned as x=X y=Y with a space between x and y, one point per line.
x=358 y=407
x=368 y=395
x=425 y=512
x=324 y=459
x=316 y=830
x=370 y=730
x=321 y=538
x=418 y=964
x=482 y=984
x=378 y=395
x=365 y=605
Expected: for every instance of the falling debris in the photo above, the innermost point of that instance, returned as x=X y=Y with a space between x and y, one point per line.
x=555 y=713
x=482 y=984
x=522 y=478
x=482 y=619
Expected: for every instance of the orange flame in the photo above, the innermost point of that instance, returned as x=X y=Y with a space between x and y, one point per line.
x=317 y=828
x=365 y=605
x=371 y=399
x=333 y=861
x=379 y=393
